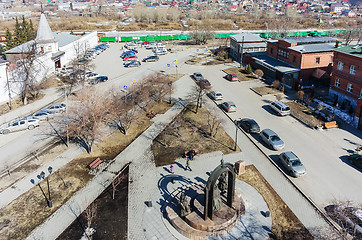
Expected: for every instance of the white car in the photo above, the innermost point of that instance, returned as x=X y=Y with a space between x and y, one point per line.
x=42 y=115
x=160 y=51
x=130 y=45
x=18 y=125
x=55 y=108
x=216 y=95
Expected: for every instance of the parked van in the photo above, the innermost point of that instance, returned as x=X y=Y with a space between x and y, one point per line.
x=280 y=108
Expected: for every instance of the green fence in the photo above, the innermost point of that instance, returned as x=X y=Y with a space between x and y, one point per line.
x=108 y=39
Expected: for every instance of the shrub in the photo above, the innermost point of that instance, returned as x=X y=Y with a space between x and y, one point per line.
x=248 y=69
x=300 y=95
x=279 y=96
x=276 y=84
x=259 y=73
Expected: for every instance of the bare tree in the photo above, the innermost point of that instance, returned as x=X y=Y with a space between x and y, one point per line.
x=196 y=94
x=259 y=73
x=279 y=96
x=90 y=213
x=202 y=34
x=300 y=95
x=276 y=84
x=213 y=124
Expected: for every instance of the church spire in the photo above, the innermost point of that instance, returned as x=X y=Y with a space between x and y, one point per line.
x=44 y=34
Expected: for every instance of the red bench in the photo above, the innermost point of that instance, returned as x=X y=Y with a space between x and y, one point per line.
x=95 y=163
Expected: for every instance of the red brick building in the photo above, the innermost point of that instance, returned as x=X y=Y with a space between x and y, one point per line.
x=312 y=55
x=346 y=80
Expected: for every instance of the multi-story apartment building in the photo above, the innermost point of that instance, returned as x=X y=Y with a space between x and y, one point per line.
x=346 y=80
x=305 y=60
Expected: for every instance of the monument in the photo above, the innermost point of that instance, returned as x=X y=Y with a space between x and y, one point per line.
x=200 y=210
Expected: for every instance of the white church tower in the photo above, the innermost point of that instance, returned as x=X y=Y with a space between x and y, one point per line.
x=44 y=37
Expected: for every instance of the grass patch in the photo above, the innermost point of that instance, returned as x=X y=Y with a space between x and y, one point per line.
x=189 y=131
x=17 y=103
x=304 y=114
x=28 y=211
x=285 y=224
x=266 y=90
x=240 y=72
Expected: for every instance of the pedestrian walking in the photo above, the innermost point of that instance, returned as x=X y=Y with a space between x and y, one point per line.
x=188 y=165
x=171 y=169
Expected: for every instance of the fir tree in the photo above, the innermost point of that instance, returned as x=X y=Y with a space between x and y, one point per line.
x=17 y=33
x=248 y=69
x=9 y=40
x=31 y=32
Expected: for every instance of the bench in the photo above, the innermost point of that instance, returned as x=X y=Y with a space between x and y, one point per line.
x=95 y=163
x=331 y=124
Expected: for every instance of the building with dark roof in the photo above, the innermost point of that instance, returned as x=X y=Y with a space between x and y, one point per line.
x=346 y=81
x=312 y=56
x=243 y=43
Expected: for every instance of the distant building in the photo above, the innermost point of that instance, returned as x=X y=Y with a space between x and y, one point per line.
x=243 y=43
x=298 y=61
x=349 y=13
x=346 y=80
x=338 y=7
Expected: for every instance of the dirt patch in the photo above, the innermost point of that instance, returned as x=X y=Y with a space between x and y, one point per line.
x=189 y=131
x=240 y=72
x=285 y=224
x=111 y=217
x=304 y=114
x=266 y=90
x=29 y=210
x=196 y=59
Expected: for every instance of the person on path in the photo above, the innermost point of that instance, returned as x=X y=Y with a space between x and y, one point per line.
x=188 y=165
x=171 y=169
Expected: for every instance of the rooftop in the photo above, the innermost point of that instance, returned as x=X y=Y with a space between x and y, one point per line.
x=355 y=50
x=64 y=38
x=270 y=62
x=248 y=37
x=312 y=48
x=308 y=40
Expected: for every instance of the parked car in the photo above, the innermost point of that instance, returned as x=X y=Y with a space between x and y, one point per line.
x=280 y=108
x=56 y=108
x=146 y=43
x=18 y=125
x=151 y=58
x=66 y=70
x=134 y=63
x=42 y=115
x=98 y=80
x=232 y=77
x=197 y=76
x=130 y=57
x=127 y=53
x=272 y=139
x=249 y=125
x=292 y=164
x=160 y=51
x=91 y=76
x=216 y=95
x=204 y=83
x=229 y=106
x=356 y=159
x=133 y=50
x=129 y=45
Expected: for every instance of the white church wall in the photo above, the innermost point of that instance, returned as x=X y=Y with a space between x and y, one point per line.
x=4 y=93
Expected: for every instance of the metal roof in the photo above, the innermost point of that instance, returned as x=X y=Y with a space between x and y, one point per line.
x=64 y=38
x=313 y=48
x=248 y=37
x=355 y=50
x=276 y=64
x=23 y=48
x=255 y=45
x=44 y=33
x=309 y=40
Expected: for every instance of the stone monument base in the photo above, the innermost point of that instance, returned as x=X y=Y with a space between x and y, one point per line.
x=193 y=225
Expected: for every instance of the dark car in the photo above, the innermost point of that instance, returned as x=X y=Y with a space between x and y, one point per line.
x=356 y=159
x=152 y=58
x=133 y=50
x=127 y=53
x=134 y=63
x=197 y=76
x=249 y=125
x=204 y=83
x=98 y=80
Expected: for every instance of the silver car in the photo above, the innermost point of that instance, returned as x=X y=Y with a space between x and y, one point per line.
x=18 y=125
x=229 y=106
x=216 y=95
x=197 y=76
x=42 y=115
x=272 y=139
x=55 y=108
x=292 y=163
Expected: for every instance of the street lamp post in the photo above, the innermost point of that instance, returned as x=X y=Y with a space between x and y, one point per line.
x=41 y=177
x=236 y=135
x=170 y=84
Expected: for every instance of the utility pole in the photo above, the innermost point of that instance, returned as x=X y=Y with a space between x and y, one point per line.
x=242 y=52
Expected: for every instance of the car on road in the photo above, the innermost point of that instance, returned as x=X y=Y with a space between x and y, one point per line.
x=130 y=57
x=145 y=43
x=356 y=160
x=232 y=77
x=151 y=58
x=134 y=63
x=18 y=125
x=98 y=80
x=90 y=76
x=42 y=115
x=56 y=108
x=129 y=45
x=197 y=76
x=204 y=83
x=280 y=108
x=272 y=139
x=127 y=53
x=292 y=164
x=229 y=106
x=216 y=95
x=160 y=51
x=249 y=125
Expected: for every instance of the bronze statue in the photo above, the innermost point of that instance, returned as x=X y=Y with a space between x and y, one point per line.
x=222 y=183
x=185 y=206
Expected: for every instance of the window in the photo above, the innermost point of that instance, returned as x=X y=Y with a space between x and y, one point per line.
x=283 y=53
x=340 y=66
x=317 y=60
x=352 y=70
x=349 y=87
x=294 y=59
x=331 y=59
x=271 y=50
x=360 y=93
x=337 y=83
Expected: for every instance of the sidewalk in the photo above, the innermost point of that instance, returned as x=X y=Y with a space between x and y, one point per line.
x=51 y=95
